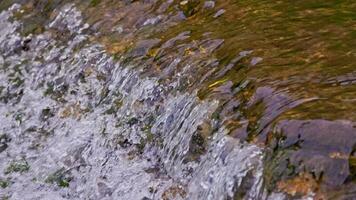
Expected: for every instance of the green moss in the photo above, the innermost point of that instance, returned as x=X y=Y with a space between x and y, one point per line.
x=55 y=93
x=149 y=138
x=17 y=82
x=60 y=177
x=132 y=121
x=191 y=7
x=116 y=105
x=94 y=3
x=253 y=115
x=5 y=4
x=278 y=165
x=19 y=166
x=4 y=183
x=49 y=90
x=46 y=114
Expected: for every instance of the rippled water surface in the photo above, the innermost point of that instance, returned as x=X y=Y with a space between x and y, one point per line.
x=173 y=99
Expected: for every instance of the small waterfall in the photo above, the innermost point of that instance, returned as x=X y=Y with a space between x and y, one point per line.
x=75 y=116
x=182 y=116
x=229 y=168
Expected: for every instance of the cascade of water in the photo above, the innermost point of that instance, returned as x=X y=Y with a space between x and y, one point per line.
x=74 y=116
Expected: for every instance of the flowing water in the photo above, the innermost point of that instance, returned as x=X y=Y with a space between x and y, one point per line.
x=81 y=144
x=96 y=102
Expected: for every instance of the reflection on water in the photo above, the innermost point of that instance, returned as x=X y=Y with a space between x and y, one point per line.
x=193 y=99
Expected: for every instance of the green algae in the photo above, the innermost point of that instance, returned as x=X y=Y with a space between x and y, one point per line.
x=19 y=166
x=94 y=2
x=5 y=4
x=4 y=183
x=278 y=166
x=60 y=178
x=190 y=7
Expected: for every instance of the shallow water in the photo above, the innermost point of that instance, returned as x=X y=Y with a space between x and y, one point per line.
x=68 y=145
x=177 y=100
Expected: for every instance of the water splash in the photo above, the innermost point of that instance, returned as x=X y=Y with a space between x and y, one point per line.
x=75 y=116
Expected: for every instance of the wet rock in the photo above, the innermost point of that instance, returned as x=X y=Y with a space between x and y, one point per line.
x=302 y=185
x=240 y=133
x=319 y=147
x=197 y=147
